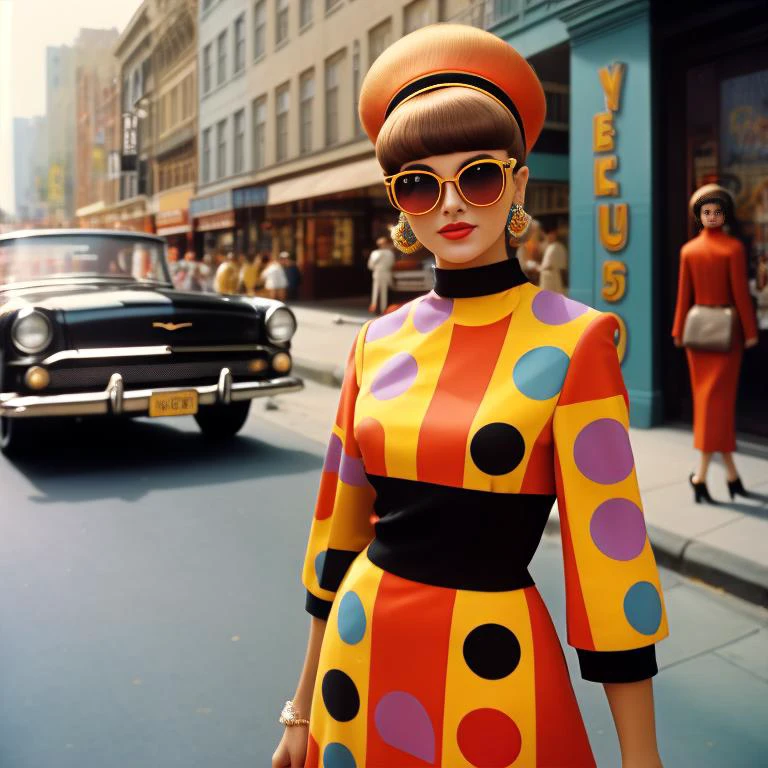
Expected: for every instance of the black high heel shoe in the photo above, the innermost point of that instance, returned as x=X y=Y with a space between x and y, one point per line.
x=700 y=491
x=735 y=487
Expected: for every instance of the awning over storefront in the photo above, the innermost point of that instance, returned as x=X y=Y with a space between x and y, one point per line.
x=172 y=222
x=360 y=173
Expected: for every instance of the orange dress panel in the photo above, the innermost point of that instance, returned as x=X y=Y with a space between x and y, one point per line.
x=713 y=273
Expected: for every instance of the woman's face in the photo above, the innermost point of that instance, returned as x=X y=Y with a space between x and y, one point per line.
x=712 y=215
x=481 y=241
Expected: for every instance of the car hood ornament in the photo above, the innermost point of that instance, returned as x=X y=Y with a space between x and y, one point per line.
x=171 y=326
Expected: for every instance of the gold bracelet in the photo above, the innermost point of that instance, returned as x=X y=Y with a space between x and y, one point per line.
x=289 y=717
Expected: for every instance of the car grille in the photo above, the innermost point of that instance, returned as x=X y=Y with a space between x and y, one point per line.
x=148 y=374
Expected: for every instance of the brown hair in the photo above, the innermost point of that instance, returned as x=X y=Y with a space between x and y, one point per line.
x=443 y=121
x=724 y=201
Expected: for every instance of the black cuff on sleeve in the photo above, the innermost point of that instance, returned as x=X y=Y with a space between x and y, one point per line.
x=618 y=666
x=317 y=607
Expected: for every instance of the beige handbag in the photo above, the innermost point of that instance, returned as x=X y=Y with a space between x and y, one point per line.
x=709 y=329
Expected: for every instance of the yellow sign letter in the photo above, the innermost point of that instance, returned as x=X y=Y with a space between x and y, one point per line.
x=605 y=187
x=613 y=225
x=612 y=79
x=603 y=132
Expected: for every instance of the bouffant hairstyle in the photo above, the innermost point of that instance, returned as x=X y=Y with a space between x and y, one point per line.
x=452 y=119
x=724 y=201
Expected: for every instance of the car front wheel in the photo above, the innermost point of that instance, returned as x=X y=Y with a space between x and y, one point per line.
x=222 y=421
x=14 y=436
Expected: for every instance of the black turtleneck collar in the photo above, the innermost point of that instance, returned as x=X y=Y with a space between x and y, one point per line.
x=478 y=281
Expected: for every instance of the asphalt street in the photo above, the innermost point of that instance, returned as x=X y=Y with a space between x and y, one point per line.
x=153 y=615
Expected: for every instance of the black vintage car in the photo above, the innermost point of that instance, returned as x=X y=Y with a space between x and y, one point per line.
x=90 y=325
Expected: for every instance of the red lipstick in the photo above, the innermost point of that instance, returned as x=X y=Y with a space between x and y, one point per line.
x=456 y=230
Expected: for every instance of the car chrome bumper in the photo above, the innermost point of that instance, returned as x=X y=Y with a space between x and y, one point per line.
x=116 y=400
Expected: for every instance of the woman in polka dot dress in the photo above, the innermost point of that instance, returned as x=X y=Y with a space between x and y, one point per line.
x=463 y=416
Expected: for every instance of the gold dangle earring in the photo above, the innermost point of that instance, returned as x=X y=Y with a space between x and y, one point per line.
x=403 y=237
x=518 y=223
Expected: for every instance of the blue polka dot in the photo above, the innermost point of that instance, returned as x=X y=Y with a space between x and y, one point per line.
x=338 y=756
x=642 y=607
x=319 y=565
x=540 y=373
x=351 y=619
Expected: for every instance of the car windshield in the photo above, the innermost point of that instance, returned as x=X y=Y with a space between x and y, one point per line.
x=34 y=258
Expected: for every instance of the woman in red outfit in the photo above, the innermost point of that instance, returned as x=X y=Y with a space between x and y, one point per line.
x=713 y=273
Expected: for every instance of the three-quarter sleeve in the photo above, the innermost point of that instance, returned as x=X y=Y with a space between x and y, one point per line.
x=740 y=291
x=341 y=527
x=684 y=297
x=614 y=604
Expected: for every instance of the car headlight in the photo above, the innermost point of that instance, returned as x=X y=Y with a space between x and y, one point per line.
x=31 y=332
x=280 y=324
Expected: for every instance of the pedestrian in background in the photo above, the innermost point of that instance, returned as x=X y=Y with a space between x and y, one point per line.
x=554 y=263
x=275 y=281
x=250 y=274
x=715 y=322
x=529 y=253
x=292 y=274
x=380 y=262
x=227 y=275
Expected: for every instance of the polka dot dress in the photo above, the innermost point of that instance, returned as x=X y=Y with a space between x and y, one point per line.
x=463 y=416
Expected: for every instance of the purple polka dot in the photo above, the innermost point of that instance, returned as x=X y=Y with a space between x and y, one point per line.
x=618 y=529
x=403 y=723
x=395 y=376
x=386 y=325
x=333 y=455
x=431 y=312
x=602 y=452
x=554 y=309
x=352 y=471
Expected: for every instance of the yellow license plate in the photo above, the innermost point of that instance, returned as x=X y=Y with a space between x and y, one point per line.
x=173 y=404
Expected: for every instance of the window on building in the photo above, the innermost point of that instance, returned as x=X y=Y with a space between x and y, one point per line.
x=185 y=98
x=207 y=4
x=207 y=67
x=332 y=80
x=306 y=106
x=416 y=15
x=306 y=12
x=259 y=123
x=331 y=4
x=379 y=38
x=174 y=107
x=240 y=43
x=281 y=21
x=221 y=149
x=206 y=169
x=357 y=126
x=282 y=103
x=221 y=50
x=259 y=29
x=239 y=125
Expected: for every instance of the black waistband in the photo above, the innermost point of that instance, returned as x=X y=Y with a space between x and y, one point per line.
x=456 y=538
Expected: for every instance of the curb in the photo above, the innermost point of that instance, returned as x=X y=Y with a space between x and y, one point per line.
x=746 y=579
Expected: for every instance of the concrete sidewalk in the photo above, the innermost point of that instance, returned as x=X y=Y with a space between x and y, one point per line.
x=725 y=545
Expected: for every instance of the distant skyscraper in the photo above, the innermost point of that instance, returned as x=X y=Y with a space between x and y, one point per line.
x=30 y=163
x=6 y=151
x=60 y=110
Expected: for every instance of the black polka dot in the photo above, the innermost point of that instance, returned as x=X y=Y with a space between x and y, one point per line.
x=492 y=651
x=340 y=696
x=497 y=448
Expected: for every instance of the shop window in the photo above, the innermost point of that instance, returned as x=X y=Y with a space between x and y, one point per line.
x=282 y=102
x=240 y=43
x=334 y=239
x=307 y=100
x=239 y=126
x=379 y=38
x=306 y=9
x=281 y=21
x=415 y=16
x=221 y=50
x=332 y=82
x=207 y=68
x=259 y=123
x=206 y=160
x=259 y=29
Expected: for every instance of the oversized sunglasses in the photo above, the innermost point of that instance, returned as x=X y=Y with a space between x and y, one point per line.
x=481 y=183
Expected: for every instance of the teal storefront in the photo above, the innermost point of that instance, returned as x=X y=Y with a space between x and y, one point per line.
x=626 y=159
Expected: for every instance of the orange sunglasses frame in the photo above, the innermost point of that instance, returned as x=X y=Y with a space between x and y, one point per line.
x=389 y=183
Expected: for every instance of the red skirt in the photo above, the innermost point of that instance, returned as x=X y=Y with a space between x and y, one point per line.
x=412 y=675
x=715 y=382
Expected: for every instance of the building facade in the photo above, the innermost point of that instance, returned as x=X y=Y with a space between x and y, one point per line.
x=662 y=100
x=30 y=161
x=283 y=161
x=60 y=111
